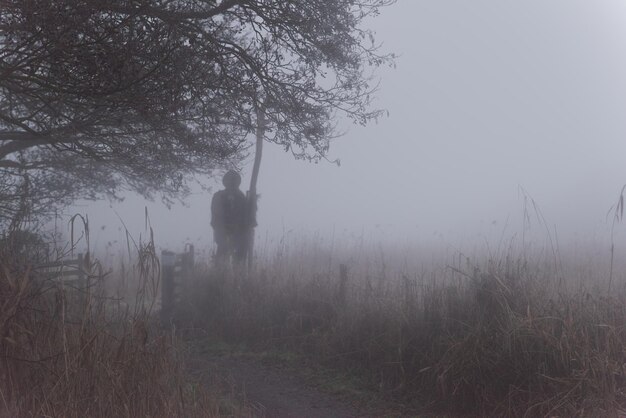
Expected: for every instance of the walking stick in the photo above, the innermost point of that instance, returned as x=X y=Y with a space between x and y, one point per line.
x=252 y=195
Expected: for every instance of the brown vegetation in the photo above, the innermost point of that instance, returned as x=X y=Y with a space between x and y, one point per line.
x=509 y=340
x=67 y=350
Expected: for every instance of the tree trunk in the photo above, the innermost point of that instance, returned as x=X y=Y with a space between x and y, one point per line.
x=252 y=194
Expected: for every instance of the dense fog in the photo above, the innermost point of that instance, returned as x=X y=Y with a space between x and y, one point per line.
x=496 y=110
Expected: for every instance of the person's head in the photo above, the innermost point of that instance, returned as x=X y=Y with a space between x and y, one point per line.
x=231 y=180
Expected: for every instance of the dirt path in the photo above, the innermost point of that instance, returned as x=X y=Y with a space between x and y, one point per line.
x=270 y=390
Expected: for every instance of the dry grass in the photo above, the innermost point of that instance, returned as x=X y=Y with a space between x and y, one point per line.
x=68 y=350
x=511 y=338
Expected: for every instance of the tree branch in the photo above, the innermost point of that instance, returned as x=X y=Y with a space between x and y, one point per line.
x=15 y=146
x=171 y=15
x=10 y=164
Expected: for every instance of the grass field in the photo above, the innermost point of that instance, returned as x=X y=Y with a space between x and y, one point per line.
x=69 y=348
x=522 y=330
x=525 y=331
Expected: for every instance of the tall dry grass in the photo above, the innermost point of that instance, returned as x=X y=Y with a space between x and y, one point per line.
x=508 y=337
x=69 y=350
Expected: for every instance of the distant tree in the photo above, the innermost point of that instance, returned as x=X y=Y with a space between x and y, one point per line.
x=98 y=97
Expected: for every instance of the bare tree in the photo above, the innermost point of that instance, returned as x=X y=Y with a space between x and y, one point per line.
x=97 y=97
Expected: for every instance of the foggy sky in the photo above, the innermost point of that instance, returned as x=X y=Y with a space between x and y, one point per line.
x=489 y=98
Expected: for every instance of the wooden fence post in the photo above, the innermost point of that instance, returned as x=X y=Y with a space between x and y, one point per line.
x=187 y=263
x=186 y=271
x=168 y=262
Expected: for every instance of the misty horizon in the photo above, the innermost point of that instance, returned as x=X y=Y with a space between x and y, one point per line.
x=490 y=105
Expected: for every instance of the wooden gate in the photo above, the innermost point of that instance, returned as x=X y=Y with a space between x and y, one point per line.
x=176 y=270
x=62 y=269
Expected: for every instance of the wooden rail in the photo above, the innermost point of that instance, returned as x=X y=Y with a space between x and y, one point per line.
x=64 y=269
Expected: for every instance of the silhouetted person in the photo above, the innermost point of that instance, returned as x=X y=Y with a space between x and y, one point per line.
x=230 y=220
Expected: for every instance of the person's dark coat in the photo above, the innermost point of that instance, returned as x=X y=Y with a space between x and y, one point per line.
x=229 y=215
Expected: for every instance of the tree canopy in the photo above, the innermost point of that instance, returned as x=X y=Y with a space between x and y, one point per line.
x=97 y=97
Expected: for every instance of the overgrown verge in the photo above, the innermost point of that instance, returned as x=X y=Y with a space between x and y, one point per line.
x=506 y=342
x=67 y=350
